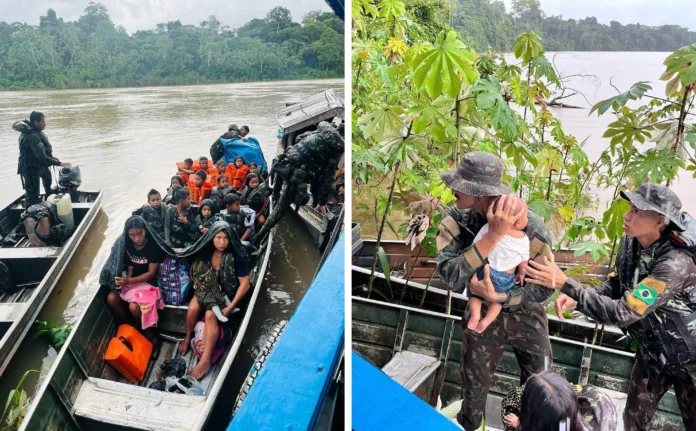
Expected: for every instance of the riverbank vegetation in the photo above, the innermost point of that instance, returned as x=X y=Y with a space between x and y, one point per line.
x=484 y=23
x=95 y=52
x=422 y=98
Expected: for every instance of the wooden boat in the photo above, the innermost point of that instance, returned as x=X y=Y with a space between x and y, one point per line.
x=83 y=392
x=584 y=351
x=308 y=380
x=35 y=270
x=295 y=119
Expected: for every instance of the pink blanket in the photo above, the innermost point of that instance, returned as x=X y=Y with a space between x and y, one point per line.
x=148 y=297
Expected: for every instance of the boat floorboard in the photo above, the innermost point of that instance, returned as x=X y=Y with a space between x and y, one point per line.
x=22 y=295
x=168 y=350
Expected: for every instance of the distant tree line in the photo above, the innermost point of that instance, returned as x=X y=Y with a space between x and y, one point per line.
x=484 y=23
x=94 y=52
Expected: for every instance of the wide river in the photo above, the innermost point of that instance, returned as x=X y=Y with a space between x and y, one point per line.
x=623 y=69
x=127 y=141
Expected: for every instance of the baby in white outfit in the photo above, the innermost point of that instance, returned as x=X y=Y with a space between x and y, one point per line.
x=511 y=253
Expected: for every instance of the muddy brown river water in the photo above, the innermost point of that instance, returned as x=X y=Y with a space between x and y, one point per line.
x=126 y=141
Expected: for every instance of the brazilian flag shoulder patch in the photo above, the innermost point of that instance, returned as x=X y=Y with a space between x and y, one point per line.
x=645 y=294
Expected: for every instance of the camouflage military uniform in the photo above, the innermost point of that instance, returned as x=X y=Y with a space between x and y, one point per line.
x=57 y=233
x=35 y=156
x=310 y=162
x=236 y=222
x=596 y=410
x=522 y=323
x=649 y=289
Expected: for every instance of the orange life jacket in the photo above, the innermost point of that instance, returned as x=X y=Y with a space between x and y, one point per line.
x=131 y=363
x=199 y=193
x=237 y=175
x=185 y=177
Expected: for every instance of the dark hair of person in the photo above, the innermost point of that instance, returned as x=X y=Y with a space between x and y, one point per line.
x=231 y=199
x=135 y=222
x=252 y=163
x=189 y=160
x=245 y=128
x=239 y=157
x=220 y=162
x=203 y=158
x=180 y=195
x=548 y=400
x=35 y=116
x=152 y=193
x=221 y=177
x=178 y=178
x=248 y=179
x=202 y=174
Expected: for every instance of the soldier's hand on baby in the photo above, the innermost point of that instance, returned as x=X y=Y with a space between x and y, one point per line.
x=512 y=420
x=546 y=274
x=521 y=274
x=483 y=288
x=564 y=302
x=504 y=213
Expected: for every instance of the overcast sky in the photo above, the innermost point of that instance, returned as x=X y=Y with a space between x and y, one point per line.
x=137 y=15
x=648 y=12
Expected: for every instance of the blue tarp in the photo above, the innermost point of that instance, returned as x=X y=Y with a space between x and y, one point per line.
x=249 y=150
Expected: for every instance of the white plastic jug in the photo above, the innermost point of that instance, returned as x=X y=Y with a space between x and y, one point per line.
x=64 y=209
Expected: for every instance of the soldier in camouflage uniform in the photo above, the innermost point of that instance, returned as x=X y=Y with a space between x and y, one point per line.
x=35 y=156
x=652 y=296
x=308 y=165
x=522 y=323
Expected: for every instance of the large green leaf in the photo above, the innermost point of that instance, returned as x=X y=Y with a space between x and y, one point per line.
x=541 y=67
x=503 y=118
x=682 y=64
x=435 y=113
x=386 y=270
x=392 y=9
x=542 y=208
x=627 y=129
x=440 y=67
x=527 y=46
x=385 y=121
x=655 y=165
x=487 y=92
x=595 y=249
x=636 y=91
x=613 y=218
x=548 y=160
x=488 y=98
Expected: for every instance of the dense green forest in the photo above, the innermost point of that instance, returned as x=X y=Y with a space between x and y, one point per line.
x=94 y=52
x=484 y=23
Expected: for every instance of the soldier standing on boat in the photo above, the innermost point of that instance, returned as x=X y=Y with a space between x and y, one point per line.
x=652 y=296
x=35 y=156
x=477 y=184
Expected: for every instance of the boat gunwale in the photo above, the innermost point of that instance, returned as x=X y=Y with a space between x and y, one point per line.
x=224 y=368
x=42 y=292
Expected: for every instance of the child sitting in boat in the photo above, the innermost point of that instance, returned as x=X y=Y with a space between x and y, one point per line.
x=256 y=197
x=180 y=223
x=223 y=189
x=235 y=217
x=203 y=161
x=208 y=292
x=186 y=170
x=153 y=212
x=509 y=256
x=254 y=169
x=175 y=183
x=221 y=167
x=197 y=189
x=206 y=215
x=237 y=172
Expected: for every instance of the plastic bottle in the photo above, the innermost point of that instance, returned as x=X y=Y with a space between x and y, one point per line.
x=65 y=211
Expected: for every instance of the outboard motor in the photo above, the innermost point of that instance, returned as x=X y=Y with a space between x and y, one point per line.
x=69 y=180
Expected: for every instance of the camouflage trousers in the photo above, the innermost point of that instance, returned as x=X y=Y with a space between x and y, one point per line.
x=32 y=186
x=645 y=392
x=526 y=330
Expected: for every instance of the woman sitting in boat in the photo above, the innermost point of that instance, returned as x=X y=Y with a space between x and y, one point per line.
x=547 y=402
x=226 y=257
x=256 y=197
x=175 y=183
x=180 y=224
x=134 y=299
